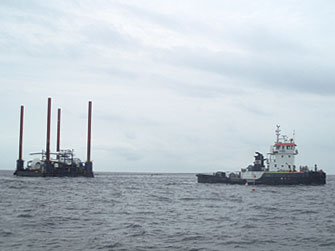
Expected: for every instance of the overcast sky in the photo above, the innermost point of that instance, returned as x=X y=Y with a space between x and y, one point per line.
x=177 y=86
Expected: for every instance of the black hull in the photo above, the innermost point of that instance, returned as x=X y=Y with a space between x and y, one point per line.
x=57 y=172
x=207 y=178
x=54 y=169
x=269 y=178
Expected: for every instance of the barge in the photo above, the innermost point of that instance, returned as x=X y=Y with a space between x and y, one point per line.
x=61 y=163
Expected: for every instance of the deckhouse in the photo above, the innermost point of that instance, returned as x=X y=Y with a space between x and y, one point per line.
x=281 y=157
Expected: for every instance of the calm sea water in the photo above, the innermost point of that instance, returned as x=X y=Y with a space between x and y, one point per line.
x=116 y=211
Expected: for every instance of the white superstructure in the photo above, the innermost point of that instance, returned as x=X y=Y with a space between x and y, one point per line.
x=282 y=154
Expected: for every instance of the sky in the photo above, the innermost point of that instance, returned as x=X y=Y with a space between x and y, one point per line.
x=177 y=86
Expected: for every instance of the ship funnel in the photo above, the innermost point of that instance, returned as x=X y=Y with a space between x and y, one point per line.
x=20 y=162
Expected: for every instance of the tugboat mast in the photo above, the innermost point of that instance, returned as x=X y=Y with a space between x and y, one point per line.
x=278 y=133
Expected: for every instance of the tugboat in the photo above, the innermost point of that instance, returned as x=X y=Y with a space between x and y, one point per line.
x=63 y=163
x=280 y=168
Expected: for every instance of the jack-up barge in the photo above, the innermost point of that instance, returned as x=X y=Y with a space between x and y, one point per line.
x=62 y=163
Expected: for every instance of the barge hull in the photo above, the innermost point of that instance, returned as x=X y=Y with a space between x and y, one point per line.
x=70 y=172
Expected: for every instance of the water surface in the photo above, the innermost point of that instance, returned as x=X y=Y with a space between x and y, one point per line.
x=120 y=211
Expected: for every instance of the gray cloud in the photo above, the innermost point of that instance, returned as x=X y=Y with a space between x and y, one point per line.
x=299 y=73
x=157 y=18
x=126 y=119
x=100 y=33
x=121 y=152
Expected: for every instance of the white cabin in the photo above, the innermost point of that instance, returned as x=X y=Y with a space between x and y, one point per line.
x=282 y=154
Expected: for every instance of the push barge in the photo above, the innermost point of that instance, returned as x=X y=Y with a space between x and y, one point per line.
x=61 y=163
x=280 y=168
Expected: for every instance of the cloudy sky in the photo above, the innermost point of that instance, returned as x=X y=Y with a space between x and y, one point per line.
x=177 y=86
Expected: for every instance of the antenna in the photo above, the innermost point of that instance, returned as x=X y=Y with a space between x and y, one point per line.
x=278 y=133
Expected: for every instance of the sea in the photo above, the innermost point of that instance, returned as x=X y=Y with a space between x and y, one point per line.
x=150 y=211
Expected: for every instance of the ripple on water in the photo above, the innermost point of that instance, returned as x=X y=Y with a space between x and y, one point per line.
x=5 y=232
x=25 y=216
